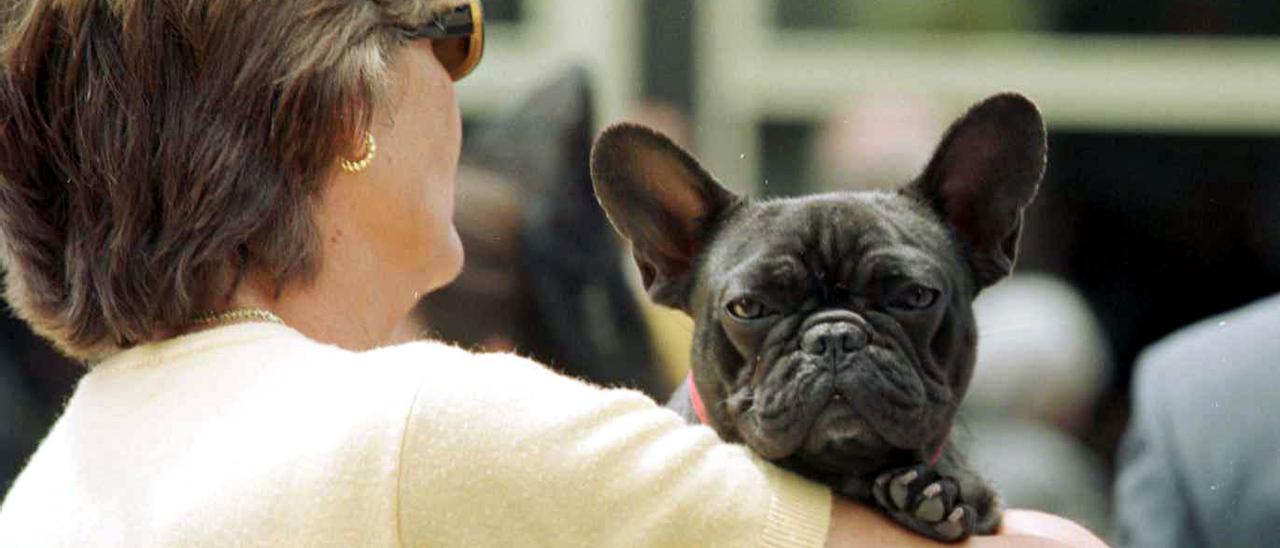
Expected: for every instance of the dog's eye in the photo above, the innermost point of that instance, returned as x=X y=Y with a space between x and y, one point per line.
x=745 y=308
x=914 y=297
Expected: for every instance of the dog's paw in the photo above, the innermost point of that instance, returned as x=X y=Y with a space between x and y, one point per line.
x=926 y=502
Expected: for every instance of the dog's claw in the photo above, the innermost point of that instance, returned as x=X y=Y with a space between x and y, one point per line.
x=932 y=490
x=900 y=488
x=950 y=530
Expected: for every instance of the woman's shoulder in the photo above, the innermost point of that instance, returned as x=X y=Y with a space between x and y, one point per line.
x=442 y=358
x=453 y=380
x=442 y=367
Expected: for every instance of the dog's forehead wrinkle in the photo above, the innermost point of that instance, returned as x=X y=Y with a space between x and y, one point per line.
x=899 y=239
x=828 y=239
x=842 y=232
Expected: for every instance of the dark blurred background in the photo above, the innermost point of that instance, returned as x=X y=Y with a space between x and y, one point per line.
x=1161 y=204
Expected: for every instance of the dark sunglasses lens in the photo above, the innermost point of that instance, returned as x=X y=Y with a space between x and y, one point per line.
x=457 y=37
x=453 y=53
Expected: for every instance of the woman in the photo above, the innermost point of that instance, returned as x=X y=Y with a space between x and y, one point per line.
x=226 y=208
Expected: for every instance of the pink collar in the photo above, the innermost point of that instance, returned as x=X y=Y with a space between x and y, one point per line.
x=700 y=409
x=696 y=400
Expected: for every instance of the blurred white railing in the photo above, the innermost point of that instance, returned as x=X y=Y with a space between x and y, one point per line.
x=601 y=35
x=748 y=70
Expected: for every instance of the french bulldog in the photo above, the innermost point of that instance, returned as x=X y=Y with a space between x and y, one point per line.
x=833 y=332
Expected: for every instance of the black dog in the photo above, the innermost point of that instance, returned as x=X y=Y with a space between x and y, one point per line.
x=834 y=333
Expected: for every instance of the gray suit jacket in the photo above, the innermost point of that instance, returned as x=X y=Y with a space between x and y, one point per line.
x=1200 y=465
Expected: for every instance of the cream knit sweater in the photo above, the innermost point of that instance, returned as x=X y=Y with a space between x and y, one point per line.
x=253 y=435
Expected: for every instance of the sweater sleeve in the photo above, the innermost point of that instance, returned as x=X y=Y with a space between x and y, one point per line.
x=500 y=451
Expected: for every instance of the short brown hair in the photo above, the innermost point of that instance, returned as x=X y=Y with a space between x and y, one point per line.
x=152 y=151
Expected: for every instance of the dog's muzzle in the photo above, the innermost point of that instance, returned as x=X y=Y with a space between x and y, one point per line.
x=833 y=335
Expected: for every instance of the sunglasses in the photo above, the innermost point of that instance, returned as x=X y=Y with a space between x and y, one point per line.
x=457 y=37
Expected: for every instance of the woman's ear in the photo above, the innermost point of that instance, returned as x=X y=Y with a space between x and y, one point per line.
x=983 y=174
x=660 y=199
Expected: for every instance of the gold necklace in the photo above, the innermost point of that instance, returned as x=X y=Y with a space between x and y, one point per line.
x=237 y=315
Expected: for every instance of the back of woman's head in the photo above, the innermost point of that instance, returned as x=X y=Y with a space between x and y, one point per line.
x=155 y=151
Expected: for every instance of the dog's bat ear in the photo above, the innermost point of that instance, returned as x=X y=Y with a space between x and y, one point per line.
x=663 y=202
x=983 y=174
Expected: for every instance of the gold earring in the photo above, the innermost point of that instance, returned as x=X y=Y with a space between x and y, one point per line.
x=356 y=166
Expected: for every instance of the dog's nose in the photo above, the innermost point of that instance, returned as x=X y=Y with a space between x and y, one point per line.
x=833 y=339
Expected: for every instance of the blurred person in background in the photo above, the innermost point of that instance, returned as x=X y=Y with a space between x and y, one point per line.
x=1042 y=356
x=545 y=275
x=1200 y=464
x=22 y=424
x=227 y=210
x=1043 y=362
x=35 y=382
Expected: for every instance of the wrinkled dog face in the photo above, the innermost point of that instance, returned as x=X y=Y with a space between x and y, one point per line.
x=833 y=332
x=839 y=330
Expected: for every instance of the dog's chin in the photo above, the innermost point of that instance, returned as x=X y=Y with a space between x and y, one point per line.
x=841 y=442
